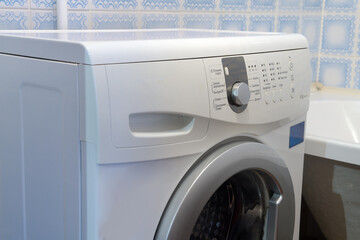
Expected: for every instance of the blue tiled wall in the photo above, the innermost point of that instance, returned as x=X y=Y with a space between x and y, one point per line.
x=331 y=26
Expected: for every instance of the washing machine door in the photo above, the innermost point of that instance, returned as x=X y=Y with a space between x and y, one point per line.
x=241 y=190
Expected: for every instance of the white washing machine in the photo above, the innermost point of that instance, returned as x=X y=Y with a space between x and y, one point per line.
x=151 y=134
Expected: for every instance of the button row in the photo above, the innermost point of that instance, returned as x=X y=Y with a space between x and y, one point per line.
x=279 y=95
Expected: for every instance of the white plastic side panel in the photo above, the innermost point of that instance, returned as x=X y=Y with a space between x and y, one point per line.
x=158 y=102
x=39 y=148
x=279 y=83
x=89 y=192
x=95 y=142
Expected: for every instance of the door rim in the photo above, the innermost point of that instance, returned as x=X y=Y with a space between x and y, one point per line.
x=211 y=171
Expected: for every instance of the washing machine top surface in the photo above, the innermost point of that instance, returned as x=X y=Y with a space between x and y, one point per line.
x=128 y=35
x=124 y=46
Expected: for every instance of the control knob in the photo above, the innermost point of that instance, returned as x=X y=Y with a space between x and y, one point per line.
x=240 y=93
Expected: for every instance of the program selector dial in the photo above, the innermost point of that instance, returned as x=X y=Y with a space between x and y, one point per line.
x=240 y=93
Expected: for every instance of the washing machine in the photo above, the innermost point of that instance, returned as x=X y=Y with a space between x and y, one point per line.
x=152 y=134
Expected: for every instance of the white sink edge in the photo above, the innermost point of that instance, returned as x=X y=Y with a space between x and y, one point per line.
x=332 y=149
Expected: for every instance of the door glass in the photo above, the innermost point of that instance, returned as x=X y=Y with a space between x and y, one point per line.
x=238 y=209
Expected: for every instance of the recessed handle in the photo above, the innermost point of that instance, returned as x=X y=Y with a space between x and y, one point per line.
x=157 y=125
x=272 y=220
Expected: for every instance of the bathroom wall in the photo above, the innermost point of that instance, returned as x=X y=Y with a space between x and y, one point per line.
x=331 y=26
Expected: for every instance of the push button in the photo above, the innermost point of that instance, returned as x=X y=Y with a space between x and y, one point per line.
x=267 y=98
x=281 y=97
x=291 y=66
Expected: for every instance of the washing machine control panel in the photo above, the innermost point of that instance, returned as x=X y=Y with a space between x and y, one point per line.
x=254 y=86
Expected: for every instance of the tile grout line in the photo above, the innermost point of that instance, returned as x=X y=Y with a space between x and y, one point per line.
x=276 y=15
x=247 y=28
x=30 y=14
x=320 y=42
x=301 y=16
x=356 y=48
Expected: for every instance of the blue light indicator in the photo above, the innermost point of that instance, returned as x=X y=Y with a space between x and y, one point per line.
x=296 y=134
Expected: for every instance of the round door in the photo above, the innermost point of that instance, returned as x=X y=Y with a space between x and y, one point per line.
x=240 y=190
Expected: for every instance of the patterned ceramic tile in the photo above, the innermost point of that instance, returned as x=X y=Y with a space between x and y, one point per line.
x=78 y=20
x=312 y=5
x=233 y=5
x=77 y=4
x=314 y=68
x=194 y=5
x=288 y=24
x=43 y=20
x=14 y=20
x=161 y=21
x=335 y=72
x=43 y=4
x=267 y=5
x=289 y=5
x=311 y=26
x=262 y=23
x=114 y=4
x=161 y=4
x=104 y=20
x=199 y=21
x=14 y=3
x=232 y=22
x=338 y=34
x=341 y=5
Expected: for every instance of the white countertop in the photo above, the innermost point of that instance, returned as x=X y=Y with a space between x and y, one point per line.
x=333 y=125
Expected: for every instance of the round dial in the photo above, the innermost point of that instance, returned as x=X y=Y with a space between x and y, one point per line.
x=240 y=93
